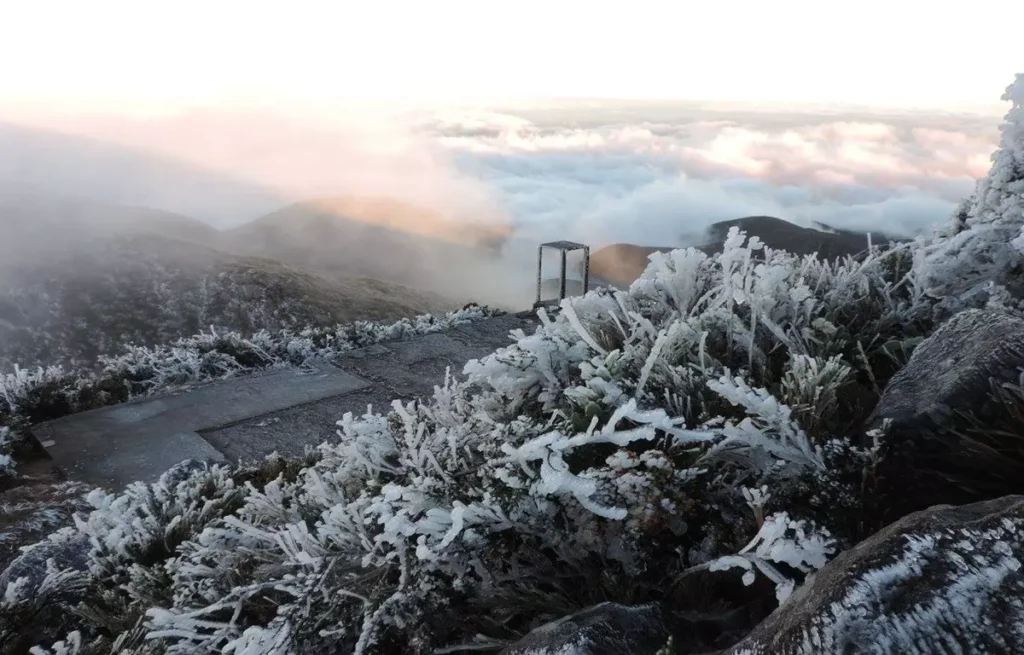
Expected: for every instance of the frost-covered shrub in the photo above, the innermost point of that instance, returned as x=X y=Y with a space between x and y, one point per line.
x=980 y=253
x=130 y=537
x=616 y=438
x=46 y=393
x=705 y=419
x=32 y=506
x=780 y=541
x=7 y=464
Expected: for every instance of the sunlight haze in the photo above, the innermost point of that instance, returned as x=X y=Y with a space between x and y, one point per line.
x=145 y=57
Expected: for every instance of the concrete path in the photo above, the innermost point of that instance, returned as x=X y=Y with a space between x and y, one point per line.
x=402 y=370
x=113 y=446
x=251 y=417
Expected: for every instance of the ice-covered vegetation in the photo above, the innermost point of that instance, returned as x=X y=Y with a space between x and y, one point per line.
x=31 y=504
x=705 y=424
x=42 y=393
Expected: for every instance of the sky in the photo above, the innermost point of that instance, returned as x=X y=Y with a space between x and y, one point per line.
x=147 y=57
x=631 y=121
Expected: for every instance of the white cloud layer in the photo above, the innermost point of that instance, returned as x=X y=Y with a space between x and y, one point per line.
x=648 y=173
x=609 y=173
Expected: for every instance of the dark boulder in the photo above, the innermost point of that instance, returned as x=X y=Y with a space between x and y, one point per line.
x=605 y=629
x=943 y=580
x=952 y=368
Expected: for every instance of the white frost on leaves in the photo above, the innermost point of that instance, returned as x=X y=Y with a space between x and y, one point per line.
x=757 y=500
x=982 y=243
x=8 y=467
x=70 y=645
x=769 y=428
x=961 y=587
x=781 y=540
x=597 y=437
x=212 y=355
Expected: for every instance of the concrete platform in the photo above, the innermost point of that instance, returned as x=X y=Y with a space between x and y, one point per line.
x=113 y=446
x=402 y=370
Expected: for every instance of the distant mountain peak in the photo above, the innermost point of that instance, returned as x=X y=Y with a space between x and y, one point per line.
x=351 y=212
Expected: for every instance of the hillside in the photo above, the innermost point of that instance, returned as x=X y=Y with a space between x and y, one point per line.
x=81 y=278
x=74 y=304
x=621 y=263
x=826 y=242
x=379 y=238
x=35 y=227
x=345 y=214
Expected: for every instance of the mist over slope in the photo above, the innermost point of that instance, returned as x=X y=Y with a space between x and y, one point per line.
x=78 y=280
x=393 y=241
x=68 y=166
x=62 y=222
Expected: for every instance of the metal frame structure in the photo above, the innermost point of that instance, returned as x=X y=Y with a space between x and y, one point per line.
x=564 y=247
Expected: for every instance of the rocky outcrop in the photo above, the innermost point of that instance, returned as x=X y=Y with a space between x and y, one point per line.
x=605 y=629
x=943 y=580
x=953 y=367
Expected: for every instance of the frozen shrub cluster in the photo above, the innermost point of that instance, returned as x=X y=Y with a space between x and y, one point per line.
x=50 y=392
x=617 y=435
x=980 y=252
x=31 y=506
x=699 y=422
x=7 y=465
x=779 y=541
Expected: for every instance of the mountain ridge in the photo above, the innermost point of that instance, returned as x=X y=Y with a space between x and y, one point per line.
x=621 y=263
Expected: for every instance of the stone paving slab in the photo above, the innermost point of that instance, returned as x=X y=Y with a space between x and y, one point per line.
x=114 y=446
x=402 y=370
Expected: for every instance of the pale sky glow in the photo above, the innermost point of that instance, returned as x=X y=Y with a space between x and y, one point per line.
x=139 y=55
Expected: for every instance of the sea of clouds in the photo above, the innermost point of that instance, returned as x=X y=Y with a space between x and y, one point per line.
x=658 y=175
x=599 y=172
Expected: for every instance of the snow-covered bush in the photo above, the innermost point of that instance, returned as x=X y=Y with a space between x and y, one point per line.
x=51 y=392
x=981 y=250
x=32 y=505
x=7 y=464
x=779 y=541
x=636 y=441
x=616 y=436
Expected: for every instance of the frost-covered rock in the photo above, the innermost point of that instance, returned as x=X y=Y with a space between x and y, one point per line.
x=946 y=579
x=951 y=369
x=67 y=548
x=605 y=629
